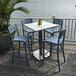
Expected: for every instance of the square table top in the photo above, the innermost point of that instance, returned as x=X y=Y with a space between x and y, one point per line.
x=34 y=26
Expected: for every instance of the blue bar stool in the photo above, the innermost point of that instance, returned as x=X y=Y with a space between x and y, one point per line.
x=58 y=41
x=29 y=31
x=53 y=30
x=12 y=30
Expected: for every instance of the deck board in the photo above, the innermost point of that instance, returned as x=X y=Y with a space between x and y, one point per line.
x=49 y=68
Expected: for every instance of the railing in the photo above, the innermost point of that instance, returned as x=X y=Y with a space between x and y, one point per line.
x=69 y=24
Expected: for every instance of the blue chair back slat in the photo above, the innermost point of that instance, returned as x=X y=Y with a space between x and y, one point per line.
x=13 y=28
x=26 y=21
x=58 y=21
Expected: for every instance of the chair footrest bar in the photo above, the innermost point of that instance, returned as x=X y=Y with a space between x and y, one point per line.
x=24 y=47
x=20 y=56
x=51 y=59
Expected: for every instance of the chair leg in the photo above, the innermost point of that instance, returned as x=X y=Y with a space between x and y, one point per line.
x=12 y=53
x=50 y=49
x=63 y=53
x=31 y=46
x=28 y=44
x=33 y=35
x=19 y=49
x=58 y=59
x=26 y=55
x=28 y=40
x=43 y=52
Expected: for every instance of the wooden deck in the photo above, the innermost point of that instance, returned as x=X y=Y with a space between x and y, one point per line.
x=49 y=68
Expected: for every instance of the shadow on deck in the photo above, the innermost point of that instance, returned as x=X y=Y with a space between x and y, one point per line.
x=49 y=68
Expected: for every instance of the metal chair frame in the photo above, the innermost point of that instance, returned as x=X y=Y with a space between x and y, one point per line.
x=29 y=31
x=58 y=42
x=53 y=30
x=12 y=29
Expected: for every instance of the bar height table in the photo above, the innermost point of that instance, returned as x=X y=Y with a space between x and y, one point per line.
x=34 y=26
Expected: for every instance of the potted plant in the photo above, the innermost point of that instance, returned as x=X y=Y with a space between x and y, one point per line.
x=6 y=8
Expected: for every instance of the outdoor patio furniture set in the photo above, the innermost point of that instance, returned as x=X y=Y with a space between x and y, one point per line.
x=41 y=53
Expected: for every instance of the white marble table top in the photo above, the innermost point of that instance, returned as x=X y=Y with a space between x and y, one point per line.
x=34 y=26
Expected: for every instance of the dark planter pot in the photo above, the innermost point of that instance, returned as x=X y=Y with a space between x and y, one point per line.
x=4 y=42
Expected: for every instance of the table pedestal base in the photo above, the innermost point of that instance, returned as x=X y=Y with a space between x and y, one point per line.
x=37 y=55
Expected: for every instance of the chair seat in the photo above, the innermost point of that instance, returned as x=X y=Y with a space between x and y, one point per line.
x=51 y=30
x=21 y=38
x=53 y=40
x=29 y=30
